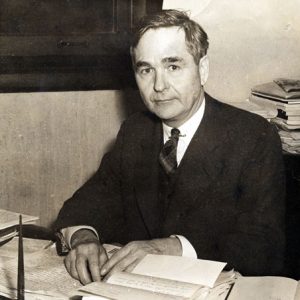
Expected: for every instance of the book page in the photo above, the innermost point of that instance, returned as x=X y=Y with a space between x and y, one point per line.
x=154 y=284
x=264 y=288
x=118 y=292
x=185 y=269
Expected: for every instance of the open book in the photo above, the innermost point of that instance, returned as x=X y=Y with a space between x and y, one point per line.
x=163 y=277
x=265 y=288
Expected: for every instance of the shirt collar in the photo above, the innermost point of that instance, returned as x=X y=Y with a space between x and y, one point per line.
x=187 y=129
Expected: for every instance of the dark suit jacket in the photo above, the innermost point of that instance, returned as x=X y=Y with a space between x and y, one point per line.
x=227 y=198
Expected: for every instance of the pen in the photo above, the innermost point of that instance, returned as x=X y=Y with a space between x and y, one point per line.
x=230 y=289
x=20 y=263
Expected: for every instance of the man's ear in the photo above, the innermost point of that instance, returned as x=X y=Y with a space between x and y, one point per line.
x=204 y=69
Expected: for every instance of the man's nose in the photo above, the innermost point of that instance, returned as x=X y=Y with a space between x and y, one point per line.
x=160 y=81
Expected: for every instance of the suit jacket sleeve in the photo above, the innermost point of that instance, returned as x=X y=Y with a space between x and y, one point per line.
x=98 y=202
x=256 y=246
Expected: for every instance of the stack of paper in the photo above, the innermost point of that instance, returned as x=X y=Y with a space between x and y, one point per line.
x=46 y=277
x=284 y=95
x=45 y=273
x=9 y=221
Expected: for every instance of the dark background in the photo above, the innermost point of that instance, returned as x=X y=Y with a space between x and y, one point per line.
x=84 y=47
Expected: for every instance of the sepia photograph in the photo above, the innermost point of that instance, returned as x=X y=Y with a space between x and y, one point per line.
x=149 y=149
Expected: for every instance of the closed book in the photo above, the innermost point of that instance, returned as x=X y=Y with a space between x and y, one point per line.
x=289 y=108
x=286 y=124
x=273 y=91
x=283 y=124
x=288 y=85
x=283 y=115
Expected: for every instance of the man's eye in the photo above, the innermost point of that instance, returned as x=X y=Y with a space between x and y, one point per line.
x=173 y=67
x=145 y=70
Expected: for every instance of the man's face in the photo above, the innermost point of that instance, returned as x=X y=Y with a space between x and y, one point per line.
x=167 y=76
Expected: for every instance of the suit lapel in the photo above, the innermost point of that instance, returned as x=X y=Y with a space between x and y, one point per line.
x=202 y=161
x=147 y=177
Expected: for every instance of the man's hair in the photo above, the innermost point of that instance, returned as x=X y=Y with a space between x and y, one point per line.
x=195 y=37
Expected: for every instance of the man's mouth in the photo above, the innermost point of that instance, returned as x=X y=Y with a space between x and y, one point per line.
x=163 y=100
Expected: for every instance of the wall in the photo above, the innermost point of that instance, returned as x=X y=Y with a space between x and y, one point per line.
x=251 y=42
x=50 y=143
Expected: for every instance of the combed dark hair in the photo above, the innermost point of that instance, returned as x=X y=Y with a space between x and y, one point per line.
x=195 y=37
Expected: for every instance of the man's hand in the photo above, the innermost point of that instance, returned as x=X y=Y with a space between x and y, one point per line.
x=86 y=258
x=132 y=253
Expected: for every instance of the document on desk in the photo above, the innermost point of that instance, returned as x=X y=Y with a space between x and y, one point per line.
x=154 y=284
x=119 y=292
x=45 y=274
x=10 y=249
x=185 y=269
x=265 y=288
x=127 y=286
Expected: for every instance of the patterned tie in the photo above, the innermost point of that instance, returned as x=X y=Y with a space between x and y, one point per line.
x=167 y=156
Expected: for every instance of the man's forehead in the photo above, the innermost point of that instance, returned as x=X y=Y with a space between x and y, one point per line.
x=166 y=43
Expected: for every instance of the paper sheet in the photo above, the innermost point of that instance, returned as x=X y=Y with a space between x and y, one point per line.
x=161 y=286
x=10 y=249
x=111 y=291
x=185 y=269
x=265 y=288
x=45 y=274
x=154 y=284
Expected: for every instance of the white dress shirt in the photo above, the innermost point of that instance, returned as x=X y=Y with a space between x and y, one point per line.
x=187 y=131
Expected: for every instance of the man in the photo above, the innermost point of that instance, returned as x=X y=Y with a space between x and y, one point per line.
x=191 y=176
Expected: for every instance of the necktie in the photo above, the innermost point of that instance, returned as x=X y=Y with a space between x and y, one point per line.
x=167 y=156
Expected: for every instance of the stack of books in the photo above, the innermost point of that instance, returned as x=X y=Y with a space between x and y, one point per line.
x=9 y=222
x=284 y=95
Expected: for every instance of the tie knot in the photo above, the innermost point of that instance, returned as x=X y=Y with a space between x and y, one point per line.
x=175 y=133
x=167 y=156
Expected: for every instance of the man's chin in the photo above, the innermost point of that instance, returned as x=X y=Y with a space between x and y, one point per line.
x=170 y=120
x=165 y=117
